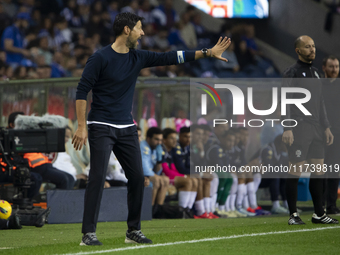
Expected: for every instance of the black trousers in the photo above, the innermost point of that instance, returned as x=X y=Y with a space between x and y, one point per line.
x=61 y=179
x=331 y=184
x=124 y=143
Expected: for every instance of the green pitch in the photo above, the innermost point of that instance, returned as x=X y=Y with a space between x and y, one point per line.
x=259 y=235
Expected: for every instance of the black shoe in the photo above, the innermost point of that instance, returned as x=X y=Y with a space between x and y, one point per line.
x=217 y=214
x=324 y=219
x=42 y=218
x=333 y=210
x=136 y=236
x=90 y=239
x=189 y=213
x=14 y=222
x=295 y=220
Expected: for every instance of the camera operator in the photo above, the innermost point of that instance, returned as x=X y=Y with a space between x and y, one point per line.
x=40 y=164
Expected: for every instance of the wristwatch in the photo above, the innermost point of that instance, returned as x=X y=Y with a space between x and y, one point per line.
x=205 y=52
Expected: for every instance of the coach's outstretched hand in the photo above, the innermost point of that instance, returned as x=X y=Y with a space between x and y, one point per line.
x=220 y=47
x=79 y=138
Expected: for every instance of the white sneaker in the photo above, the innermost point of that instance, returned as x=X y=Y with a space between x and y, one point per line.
x=279 y=210
x=239 y=214
x=244 y=211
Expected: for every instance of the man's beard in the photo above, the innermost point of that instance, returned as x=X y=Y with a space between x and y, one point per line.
x=131 y=44
x=332 y=74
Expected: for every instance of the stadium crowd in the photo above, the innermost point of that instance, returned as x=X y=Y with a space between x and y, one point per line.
x=40 y=40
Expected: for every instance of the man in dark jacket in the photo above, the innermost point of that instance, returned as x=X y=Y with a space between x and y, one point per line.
x=305 y=141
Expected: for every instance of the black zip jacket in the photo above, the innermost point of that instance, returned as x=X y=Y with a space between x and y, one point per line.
x=316 y=105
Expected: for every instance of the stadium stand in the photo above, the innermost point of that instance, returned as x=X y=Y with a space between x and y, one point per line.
x=40 y=41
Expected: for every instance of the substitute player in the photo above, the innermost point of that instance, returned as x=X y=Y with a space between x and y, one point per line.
x=306 y=140
x=111 y=74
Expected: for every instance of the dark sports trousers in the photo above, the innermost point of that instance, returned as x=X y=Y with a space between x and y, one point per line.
x=61 y=179
x=124 y=143
x=277 y=186
x=309 y=142
x=331 y=184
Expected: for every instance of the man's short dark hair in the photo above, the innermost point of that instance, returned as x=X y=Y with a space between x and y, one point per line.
x=153 y=131
x=229 y=132
x=125 y=19
x=138 y=128
x=167 y=132
x=13 y=116
x=193 y=127
x=184 y=130
x=205 y=127
x=234 y=130
x=324 y=61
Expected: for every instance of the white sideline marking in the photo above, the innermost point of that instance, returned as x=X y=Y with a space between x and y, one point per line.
x=5 y=248
x=199 y=240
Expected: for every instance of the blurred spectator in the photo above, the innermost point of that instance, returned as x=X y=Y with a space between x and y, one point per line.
x=44 y=51
x=13 y=38
x=248 y=37
x=57 y=68
x=161 y=39
x=61 y=26
x=84 y=13
x=3 y=56
x=148 y=40
x=160 y=71
x=165 y=15
x=132 y=7
x=77 y=72
x=188 y=33
x=145 y=12
x=20 y=73
x=30 y=39
x=146 y=72
x=171 y=71
x=9 y=72
x=44 y=72
x=244 y=56
x=70 y=66
x=36 y=18
x=95 y=25
x=9 y=7
x=97 y=8
x=31 y=73
x=68 y=11
x=82 y=60
x=175 y=38
x=113 y=10
x=226 y=69
x=5 y=19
